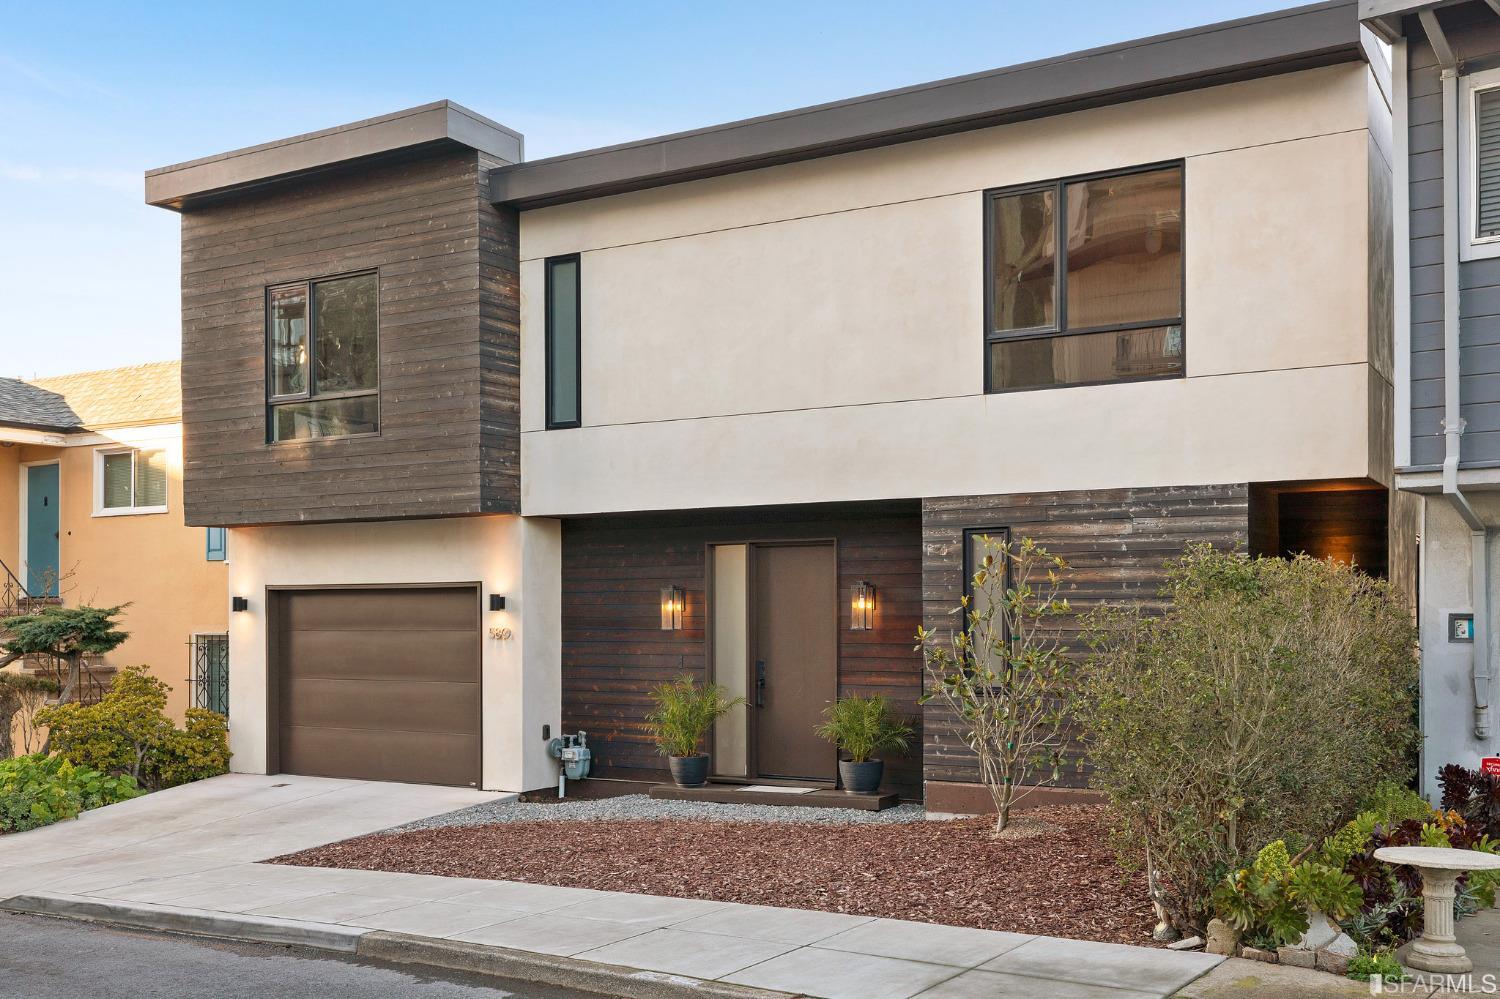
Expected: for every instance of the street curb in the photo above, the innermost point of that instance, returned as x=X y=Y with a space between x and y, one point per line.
x=568 y=972
x=199 y=922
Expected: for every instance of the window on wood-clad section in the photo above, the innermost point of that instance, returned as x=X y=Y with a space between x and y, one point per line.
x=322 y=342
x=1487 y=164
x=564 y=328
x=1085 y=281
x=133 y=481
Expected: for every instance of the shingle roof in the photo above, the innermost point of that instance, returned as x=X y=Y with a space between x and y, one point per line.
x=117 y=397
x=22 y=404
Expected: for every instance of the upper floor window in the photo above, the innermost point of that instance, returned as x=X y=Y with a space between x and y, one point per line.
x=1084 y=281
x=323 y=360
x=130 y=480
x=564 y=372
x=1479 y=145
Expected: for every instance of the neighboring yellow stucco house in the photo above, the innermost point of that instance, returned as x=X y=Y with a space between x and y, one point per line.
x=91 y=513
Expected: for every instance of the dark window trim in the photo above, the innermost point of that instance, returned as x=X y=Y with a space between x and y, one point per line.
x=1060 y=328
x=577 y=260
x=311 y=394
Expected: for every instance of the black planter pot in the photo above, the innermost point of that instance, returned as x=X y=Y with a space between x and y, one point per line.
x=861 y=778
x=689 y=771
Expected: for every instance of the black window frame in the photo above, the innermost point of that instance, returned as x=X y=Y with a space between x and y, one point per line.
x=1059 y=328
x=549 y=265
x=310 y=393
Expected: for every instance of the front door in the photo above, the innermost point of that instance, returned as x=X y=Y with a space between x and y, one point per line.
x=795 y=658
x=41 y=530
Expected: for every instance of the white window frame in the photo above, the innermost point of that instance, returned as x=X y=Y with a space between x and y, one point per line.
x=1471 y=247
x=100 y=510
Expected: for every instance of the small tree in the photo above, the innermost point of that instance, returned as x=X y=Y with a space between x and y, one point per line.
x=21 y=694
x=68 y=633
x=1004 y=675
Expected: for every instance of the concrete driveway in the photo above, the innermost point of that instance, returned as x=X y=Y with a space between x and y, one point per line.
x=223 y=822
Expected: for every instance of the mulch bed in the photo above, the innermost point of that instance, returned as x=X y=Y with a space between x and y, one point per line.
x=1063 y=882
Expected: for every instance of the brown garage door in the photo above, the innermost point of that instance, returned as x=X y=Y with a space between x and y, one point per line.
x=378 y=684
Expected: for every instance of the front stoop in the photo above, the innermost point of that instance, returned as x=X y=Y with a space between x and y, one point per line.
x=739 y=794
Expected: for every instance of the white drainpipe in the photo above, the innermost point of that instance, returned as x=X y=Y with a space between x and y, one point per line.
x=1453 y=422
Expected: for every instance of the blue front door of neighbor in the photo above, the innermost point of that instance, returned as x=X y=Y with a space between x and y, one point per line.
x=41 y=530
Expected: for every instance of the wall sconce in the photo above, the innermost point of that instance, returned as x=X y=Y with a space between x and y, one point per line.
x=673 y=599
x=238 y=604
x=497 y=602
x=862 y=607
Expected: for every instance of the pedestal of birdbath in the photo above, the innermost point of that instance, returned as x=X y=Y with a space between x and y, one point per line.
x=1437 y=950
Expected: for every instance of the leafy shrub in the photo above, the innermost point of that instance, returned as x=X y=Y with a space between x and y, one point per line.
x=37 y=790
x=1380 y=964
x=1269 y=902
x=684 y=712
x=1207 y=723
x=21 y=695
x=128 y=733
x=863 y=726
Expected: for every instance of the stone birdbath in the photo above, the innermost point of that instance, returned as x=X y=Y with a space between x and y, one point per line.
x=1437 y=950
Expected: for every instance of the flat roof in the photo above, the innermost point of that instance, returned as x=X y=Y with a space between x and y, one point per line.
x=431 y=125
x=1263 y=45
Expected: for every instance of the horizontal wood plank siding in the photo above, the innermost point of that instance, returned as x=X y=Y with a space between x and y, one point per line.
x=614 y=650
x=449 y=346
x=1116 y=541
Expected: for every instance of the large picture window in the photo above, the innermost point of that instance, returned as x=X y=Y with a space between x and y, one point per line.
x=564 y=329
x=1084 y=281
x=322 y=342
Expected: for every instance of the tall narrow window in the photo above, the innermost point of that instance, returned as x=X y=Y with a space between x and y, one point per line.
x=322 y=342
x=1085 y=281
x=1487 y=164
x=563 y=343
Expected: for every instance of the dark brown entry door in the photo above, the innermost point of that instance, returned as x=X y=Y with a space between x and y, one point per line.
x=796 y=652
x=379 y=684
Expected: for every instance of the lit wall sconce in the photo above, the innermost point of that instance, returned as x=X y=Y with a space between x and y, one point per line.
x=862 y=607
x=497 y=602
x=673 y=599
x=238 y=604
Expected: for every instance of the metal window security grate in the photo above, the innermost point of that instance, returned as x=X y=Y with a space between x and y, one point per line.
x=208 y=679
x=1487 y=163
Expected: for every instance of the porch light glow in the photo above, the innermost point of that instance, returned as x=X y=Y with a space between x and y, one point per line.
x=673 y=599
x=862 y=607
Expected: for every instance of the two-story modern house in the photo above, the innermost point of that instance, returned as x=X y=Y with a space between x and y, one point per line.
x=501 y=444
x=1446 y=214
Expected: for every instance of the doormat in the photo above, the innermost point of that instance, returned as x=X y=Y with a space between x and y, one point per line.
x=779 y=790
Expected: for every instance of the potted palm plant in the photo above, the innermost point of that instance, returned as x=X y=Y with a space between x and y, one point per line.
x=684 y=712
x=861 y=727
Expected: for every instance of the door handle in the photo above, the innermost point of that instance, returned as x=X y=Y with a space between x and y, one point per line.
x=760 y=683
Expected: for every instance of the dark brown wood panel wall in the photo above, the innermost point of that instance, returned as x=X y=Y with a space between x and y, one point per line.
x=1116 y=540
x=614 y=651
x=449 y=346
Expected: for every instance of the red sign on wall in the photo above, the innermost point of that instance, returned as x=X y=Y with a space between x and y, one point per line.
x=1490 y=765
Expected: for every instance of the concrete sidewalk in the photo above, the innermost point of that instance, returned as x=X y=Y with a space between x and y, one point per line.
x=217 y=888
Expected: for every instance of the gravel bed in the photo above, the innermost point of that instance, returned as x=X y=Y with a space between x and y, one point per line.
x=639 y=806
x=1060 y=879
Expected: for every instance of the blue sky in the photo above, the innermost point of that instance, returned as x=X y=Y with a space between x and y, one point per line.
x=92 y=95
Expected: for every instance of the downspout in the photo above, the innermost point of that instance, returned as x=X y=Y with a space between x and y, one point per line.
x=1453 y=421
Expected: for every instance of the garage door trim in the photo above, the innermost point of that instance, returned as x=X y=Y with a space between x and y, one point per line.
x=274 y=596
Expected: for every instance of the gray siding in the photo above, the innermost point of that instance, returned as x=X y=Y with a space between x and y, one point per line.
x=1475 y=32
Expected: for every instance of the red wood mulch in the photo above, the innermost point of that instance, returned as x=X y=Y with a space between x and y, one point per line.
x=1059 y=883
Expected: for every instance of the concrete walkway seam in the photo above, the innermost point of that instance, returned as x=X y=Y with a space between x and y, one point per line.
x=198 y=922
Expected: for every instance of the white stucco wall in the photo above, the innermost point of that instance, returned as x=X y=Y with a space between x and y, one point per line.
x=835 y=308
x=517 y=557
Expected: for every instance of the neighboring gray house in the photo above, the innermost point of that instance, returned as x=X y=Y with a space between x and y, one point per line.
x=1446 y=196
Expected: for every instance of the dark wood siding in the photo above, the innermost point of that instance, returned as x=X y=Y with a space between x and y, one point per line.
x=1116 y=540
x=614 y=650
x=449 y=346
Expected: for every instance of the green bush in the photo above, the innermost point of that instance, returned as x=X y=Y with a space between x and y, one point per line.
x=1380 y=964
x=128 y=733
x=863 y=726
x=1270 y=901
x=684 y=712
x=1261 y=704
x=37 y=790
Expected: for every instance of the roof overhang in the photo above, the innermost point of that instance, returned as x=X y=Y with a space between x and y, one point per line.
x=408 y=132
x=1265 y=45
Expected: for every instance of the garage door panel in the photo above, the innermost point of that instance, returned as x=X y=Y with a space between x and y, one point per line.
x=438 y=608
x=382 y=704
x=409 y=757
x=377 y=655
